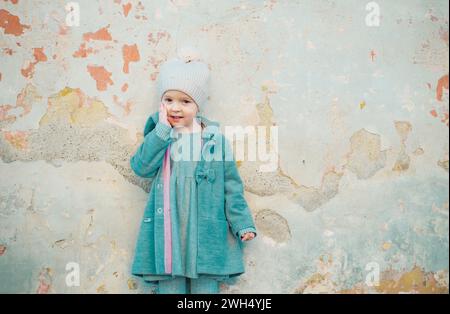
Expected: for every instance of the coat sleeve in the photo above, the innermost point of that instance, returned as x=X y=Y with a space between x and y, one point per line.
x=149 y=156
x=236 y=208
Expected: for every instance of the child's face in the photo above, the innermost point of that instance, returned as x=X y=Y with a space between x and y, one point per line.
x=181 y=108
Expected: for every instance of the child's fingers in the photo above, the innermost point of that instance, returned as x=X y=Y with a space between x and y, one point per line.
x=247 y=236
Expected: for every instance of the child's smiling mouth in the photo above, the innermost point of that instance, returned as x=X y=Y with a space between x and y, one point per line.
x=176 y=118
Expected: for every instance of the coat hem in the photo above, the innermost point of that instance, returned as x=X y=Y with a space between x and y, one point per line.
x=219 y=277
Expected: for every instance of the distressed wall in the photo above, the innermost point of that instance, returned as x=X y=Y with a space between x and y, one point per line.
x=359 y=202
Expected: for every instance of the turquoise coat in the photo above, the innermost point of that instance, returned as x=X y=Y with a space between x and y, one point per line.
x=223 y=213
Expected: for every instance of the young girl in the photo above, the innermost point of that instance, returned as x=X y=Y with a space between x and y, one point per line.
x=196 y=219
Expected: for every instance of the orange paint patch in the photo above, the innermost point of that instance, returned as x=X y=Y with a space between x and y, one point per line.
x=39 y=56
x=124 y=87
x=11 y=23
x=17 y=139
x=434 y=113
x=83 y=52
x=441 y=85
x=101 y=34
x=101 y=76
x=130 y=54
x=126 y=9
x=28 y=71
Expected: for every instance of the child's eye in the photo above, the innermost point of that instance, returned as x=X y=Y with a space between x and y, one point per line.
x=186 y=101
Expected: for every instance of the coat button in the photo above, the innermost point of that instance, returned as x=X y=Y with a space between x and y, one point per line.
x=147 y=219
x=159 y=210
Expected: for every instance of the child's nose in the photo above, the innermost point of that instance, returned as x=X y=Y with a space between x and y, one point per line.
x=175 y=105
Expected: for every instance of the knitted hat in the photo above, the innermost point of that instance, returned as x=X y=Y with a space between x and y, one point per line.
x=185 y=73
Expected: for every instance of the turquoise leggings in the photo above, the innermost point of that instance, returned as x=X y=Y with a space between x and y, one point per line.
x=184 y=285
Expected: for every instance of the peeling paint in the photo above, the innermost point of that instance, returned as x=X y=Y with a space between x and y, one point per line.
x=77 y=118
x=101 y=289
x=414 y=281
x=102 y=34
x=72 y=106
x=11 y=23
x=273 y=225
x=311 y=198
x=391 y=282
x=45 y=281
x=256 y=181
x=126 y=8
x=442 y=85
x=403 y=129
x=24 y=105
x=39 y=56
x=16 y=139
x=130 y=54
x=443 y=164
x=83 y=52
x=365 y=157
x=101 y=76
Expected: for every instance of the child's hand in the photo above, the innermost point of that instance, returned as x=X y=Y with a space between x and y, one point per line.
x=163 y=114
x=247 y=236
